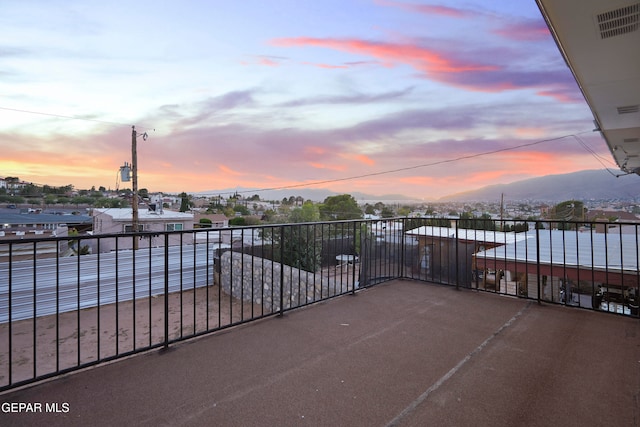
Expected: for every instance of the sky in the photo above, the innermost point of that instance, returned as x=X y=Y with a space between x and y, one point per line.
x=418 y=98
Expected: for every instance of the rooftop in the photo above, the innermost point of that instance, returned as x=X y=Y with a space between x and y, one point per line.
x=125 y=214
x=402 y=353
x=484 y=236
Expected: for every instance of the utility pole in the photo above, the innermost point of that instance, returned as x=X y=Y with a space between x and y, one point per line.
x=502 y=212
x=134 y=184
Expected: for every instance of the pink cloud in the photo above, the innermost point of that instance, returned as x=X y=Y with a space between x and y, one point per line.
x=329 y=66
x=264 y=60
x=530 y=30
x=562 y=95
x=428 y=9
x=268 y=62
x=365 y=159
x=426 y=60
x=446 y=68
x=228 y=170
x=317 y=165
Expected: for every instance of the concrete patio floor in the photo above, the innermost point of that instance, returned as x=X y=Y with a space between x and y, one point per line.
x=403 y=353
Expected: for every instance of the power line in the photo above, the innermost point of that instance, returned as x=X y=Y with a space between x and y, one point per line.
x=309 y=184
x=62 y=116
x=439 y=162
x=597 y=156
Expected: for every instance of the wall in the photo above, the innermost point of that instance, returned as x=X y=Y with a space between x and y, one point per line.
x=258 y=280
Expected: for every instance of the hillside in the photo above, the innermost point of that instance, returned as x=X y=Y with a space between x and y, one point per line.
x=582 y=185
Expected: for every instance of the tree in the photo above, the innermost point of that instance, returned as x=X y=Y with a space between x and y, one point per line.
x=106 y=202
x=308 y=212
x=298 y=246
x=82 y=200
x=570 y=210
x=49 y=199
x=387 y=212
x=404 y=210
x=241 y=209
x=341 y=207
x=237 y=221
x=185 y=203
x=268 y=215
x=74 y=244
x=484 y=222
x=204 y=223
x=30 y=190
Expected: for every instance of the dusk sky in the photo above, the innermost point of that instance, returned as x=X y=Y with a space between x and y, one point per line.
x=378 y=96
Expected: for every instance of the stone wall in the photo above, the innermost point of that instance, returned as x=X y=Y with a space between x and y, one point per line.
x=258 y=280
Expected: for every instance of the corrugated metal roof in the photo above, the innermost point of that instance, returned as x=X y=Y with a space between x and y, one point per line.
x=485 y=236
x=585 y=249
x=42 y=218
x=45 y=286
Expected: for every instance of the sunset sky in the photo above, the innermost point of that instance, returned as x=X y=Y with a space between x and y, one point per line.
x=378 y=96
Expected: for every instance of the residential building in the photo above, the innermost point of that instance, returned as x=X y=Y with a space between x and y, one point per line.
x=120 y=220
x=571 y=267
x=446 y=254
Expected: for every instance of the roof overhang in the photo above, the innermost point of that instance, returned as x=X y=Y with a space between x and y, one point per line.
x=600 y=42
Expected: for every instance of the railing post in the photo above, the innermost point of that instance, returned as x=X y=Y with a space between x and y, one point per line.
x=457 y=259
x=402 y=247
x=538 y=278
x=281 y=271
x=355 y=255
x=166 y=291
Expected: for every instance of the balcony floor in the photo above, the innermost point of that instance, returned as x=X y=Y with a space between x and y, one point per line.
x=402 y=353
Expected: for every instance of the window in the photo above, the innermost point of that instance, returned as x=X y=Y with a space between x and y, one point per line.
x=174 y=227
x=128 y=228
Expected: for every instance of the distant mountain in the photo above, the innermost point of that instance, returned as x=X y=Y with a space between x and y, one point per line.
x=316 y=195
x=583 y=185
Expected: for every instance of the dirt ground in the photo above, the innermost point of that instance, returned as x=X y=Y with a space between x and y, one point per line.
x=76 y=338
x=80 y=337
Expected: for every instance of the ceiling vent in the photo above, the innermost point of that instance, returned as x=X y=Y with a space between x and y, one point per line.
x=628 y=109
x=620 y=21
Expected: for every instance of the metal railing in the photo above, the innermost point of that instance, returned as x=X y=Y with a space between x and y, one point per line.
x=72 y=302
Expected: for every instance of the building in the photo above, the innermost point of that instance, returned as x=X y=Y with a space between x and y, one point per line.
x=446 y=254
x=568 y=266
x=217 y=220
x=119 y=221
x=31 y=225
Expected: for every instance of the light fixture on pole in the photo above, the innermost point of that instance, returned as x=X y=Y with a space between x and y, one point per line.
x=134 y=183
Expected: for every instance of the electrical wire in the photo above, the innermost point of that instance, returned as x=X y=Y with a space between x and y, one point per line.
x=425 y=165
x=62 y=116
x=309 y=184
x=597 y=156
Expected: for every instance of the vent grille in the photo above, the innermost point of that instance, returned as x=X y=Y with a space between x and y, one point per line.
x=628 y=109
x=619 y=21
x=630 y=140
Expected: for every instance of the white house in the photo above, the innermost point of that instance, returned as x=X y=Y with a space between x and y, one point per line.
x=119 y=221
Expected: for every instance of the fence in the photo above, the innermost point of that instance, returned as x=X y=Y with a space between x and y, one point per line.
x=67 y=303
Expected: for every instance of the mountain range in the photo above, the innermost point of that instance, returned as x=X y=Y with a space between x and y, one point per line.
x=599 y=184
x=314 y=194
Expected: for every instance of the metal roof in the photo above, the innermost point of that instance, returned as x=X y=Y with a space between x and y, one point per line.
x=125 y=214
x=604 y=251
x=42 y=218
x=485 y=236
x=600 y=42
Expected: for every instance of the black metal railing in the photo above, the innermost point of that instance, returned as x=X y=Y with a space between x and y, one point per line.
x=71 y=302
